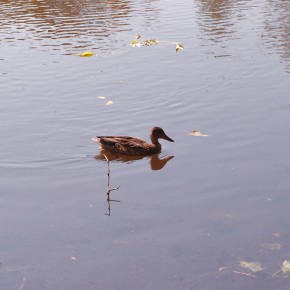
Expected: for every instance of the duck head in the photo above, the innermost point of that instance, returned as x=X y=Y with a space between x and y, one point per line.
x=158 y=133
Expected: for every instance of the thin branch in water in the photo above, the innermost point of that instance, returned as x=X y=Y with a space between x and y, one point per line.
x=275 y=274
x=109 y=188
x=108 y=174
x=245 y=274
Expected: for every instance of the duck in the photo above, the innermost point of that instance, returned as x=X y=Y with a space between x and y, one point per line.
x=133 y=146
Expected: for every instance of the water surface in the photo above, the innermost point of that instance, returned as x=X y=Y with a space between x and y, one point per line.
x=187 y=216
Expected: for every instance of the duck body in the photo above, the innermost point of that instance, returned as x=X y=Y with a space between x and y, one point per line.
x=132 y=145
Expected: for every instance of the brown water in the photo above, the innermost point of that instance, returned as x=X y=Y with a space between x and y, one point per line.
x=183 y=222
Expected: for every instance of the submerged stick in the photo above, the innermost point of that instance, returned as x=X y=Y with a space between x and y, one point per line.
x=108 y=174
x=244 y=274
x=109 y=187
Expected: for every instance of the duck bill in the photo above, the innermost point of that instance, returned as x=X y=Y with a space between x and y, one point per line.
x=167 y=138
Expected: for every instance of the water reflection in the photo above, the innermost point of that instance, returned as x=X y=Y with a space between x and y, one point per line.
x=220 y=22
x=216 y=20
x=73 y=24
x=157 y=161
x=277 y=28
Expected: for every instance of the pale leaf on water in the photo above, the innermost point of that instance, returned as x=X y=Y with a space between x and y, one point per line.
x=73 y=258
x=286 y=267
x=179 y=46
x=101 y=97
x=197 y=134
x=109 y=103
x=253 y=266
x=271 y=247
x=86 y=54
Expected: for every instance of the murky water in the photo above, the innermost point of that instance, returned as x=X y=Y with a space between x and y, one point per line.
x=183 y=219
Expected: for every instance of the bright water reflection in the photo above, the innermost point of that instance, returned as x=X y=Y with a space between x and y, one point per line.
x=276 y=32
x=70 y=25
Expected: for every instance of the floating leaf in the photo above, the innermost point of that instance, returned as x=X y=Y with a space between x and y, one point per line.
x=253 y=266
x=101 y=97
x=147 y=42
x=197 y=134
x=271 y=247
x=109 y=103
x=136 y=42
x=178 y=47
x=286 y=267
x=86 y=54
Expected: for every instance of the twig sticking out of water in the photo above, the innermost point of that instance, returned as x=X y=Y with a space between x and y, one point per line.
x=109 y=188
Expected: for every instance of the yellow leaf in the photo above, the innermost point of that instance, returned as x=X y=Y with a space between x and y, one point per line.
x=147 y=42
x=178 y=47
x=153 y=41
x=109 y=103
x=136 y=42
x=197 y=134
x=253 y=266
x=101 y=97
x=86 y=54
x=271 y=247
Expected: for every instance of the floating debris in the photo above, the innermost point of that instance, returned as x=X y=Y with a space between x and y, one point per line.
x=253 y=266
x=197 y=134
x=86 y=54
x=148 y=42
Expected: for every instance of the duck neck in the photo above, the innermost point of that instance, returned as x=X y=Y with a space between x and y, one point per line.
x=155 y=141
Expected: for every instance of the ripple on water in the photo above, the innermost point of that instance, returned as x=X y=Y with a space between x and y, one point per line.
x=56 y=23
x=69 y=162
x=276 y=34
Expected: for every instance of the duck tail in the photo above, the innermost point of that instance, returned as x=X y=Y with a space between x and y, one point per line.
x=96 y=139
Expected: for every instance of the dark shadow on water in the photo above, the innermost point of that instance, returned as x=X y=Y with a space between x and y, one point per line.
x=157 y=161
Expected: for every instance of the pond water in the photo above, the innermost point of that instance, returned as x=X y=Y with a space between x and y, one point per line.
x=186 y=217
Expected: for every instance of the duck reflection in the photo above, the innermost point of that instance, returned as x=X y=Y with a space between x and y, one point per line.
x=156 y=161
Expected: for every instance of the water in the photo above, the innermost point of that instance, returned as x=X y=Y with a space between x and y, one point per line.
x=186 y=217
